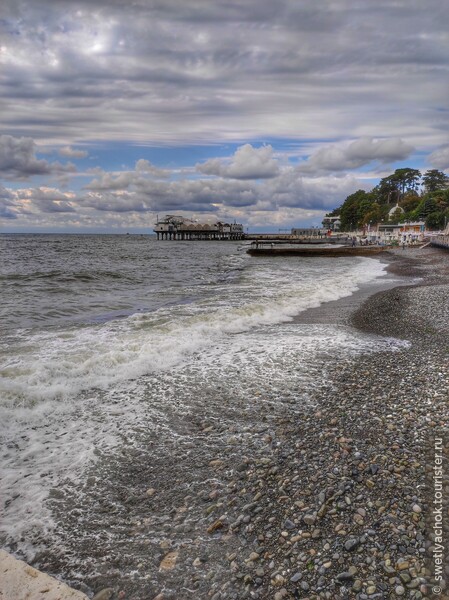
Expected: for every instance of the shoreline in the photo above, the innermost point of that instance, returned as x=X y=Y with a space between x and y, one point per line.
x=328 y=499
x=403 y=269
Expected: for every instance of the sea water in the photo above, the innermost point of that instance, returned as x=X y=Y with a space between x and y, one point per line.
x=110 y=340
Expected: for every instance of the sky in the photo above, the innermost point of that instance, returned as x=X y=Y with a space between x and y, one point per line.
x=266 y=113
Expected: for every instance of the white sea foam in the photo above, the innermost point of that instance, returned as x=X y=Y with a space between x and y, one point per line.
x=60 y=363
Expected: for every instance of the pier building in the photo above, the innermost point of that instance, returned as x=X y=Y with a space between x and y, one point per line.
x=173 y=227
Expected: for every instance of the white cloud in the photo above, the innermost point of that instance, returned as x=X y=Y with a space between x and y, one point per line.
x=247 y=163
x=144 y=166
x=124 y=180
x=286 y=199
x=70 y=152
x=439 y=159
x=360 y=152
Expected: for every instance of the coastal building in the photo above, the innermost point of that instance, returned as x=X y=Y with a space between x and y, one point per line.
x=331 y=223
x=411 y=232
x=174 y=227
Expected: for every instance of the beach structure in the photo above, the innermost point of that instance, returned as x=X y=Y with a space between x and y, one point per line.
x=396 y=211
x=391 y=232
x=331 y=223
x=173 y=227
x=297 y=250
x=441 y=240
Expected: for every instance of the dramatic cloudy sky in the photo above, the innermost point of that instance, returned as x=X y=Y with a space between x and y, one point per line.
x=271 y=113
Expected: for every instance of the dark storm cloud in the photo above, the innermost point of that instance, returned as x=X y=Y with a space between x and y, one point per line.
x=187 y=70
x=18 y=160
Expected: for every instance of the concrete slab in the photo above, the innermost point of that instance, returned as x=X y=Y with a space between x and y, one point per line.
x=19 y=581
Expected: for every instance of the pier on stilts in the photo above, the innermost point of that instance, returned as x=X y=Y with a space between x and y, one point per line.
x=173 y=227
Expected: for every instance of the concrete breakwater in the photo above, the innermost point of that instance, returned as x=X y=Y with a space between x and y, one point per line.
x=19 y=581
x=320 y=251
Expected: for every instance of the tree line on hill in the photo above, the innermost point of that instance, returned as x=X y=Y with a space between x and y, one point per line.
x=421 y=198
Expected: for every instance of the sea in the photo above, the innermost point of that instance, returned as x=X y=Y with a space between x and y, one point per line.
x=115 y=347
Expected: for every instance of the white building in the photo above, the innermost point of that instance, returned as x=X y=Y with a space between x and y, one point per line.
x=395 y=211
x=332 y=223
x=408 y=232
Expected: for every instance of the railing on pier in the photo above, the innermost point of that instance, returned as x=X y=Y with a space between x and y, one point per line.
x=440 y=241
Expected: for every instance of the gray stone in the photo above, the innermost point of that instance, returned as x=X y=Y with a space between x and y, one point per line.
x=352 y=544
x=345 y=576
x=309 y=518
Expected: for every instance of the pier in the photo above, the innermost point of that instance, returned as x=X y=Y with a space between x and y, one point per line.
x=173 y=227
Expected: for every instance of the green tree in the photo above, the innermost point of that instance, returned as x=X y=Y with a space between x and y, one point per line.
x=441 y=198
x=390 y=189
x=407 y=179
x=354 y=209
x=373 y=215
x=362 y=208
x=410 y=201
x=386 y=190
x=435 y=220
x=426 y=207
x=434 y=180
